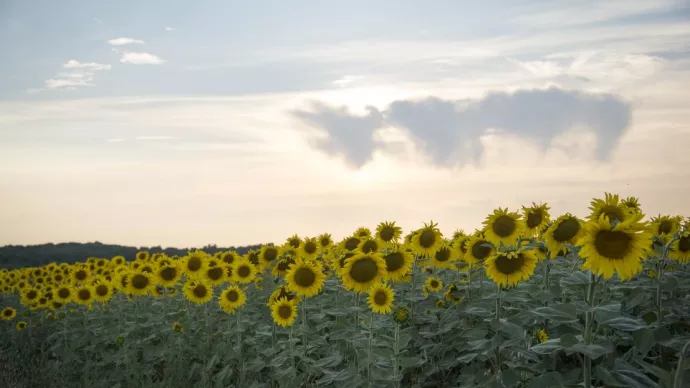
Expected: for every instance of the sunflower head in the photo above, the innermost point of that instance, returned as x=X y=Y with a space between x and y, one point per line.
x=140 y=283
x=369 y=245
x=325 y=240
x=195 y=262
x=231 y=299
x=268 y=255
x=282 y=266
x=362 y=233
x=309 y=248
x=198 y=291
x=510 y=267
x=229 y=257
x=610 y=207
x=426 y=240
x=388 y=233
x=567 y=229
x=293 y=242
x=215 y=273
x=362 y=271
x=284 y=312
x=177 y=327
x=8 y=313
x=142 y=255
x=433 y=284
x=680 y=249
x=84 y=295
x=477 y=249
x=350 y=243
x=243 y=271
x=444 y=257
x=305 y=278
x=21 y=325
x=168 y=274
x=503 y=227
x=398 y=264
x=536 y=218
x=401 y=315
x=665 y=227
x=381 y=298
x=542 y=336
x=632 y=203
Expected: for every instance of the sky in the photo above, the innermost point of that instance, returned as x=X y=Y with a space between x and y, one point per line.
x=182 y=124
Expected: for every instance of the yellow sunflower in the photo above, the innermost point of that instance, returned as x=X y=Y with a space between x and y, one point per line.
x=369 y=245
x=398 y=264
x=680 y=249
x=632 y=203
x=452 y=294
x=84 y=295
x=229 y=257
x=215 y=273
x=103 y=291
x=503 y=227
x=665 y=227
x=142 y=256
x=195 y=263
x=177 y=327
x=427 y=240
x=325 y=241
x=509 y=268
x=231 y=299
x=567 y=229
x=381 y=298
x=433 y=284
x=268 y=255
x=477 y=249
x=198 y=291
x=168 y=275
x=21 y=325
x=8 y=313
x=282 y=266
x=306 y=278
x=282 y=292
x=309 y=248
x=293 y=242
x=362 y=233
x=542 y=336
x=536 y=218
x=243 y=271
x=350 y=243
x=388 y=234
x=81 y=274
x=63 y=294
x=362 y=271
x=444 y=257
x=140 y=283
x=284 y=312
x=620 y=248
x=30 y=296
x=611 y=207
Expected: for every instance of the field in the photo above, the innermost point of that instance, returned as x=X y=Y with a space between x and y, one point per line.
x=527 y=300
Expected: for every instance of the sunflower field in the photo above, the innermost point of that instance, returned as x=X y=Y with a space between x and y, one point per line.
x=527 y=300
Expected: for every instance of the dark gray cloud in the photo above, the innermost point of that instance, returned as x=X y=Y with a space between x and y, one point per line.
x=448 y=131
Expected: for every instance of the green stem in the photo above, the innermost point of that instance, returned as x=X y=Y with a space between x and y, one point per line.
x=292 y=357
x=678 y=378
x=469 y=284
x=396 y=350
x=498 y=318
x=371 y=339
x=305 y=324
x=413 y=289
x=589 y=322
x=239 y=345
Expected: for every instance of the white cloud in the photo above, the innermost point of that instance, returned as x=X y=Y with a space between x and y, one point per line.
x=57 y=83
x=124 y=41
x=74 y=64
x=140 y=58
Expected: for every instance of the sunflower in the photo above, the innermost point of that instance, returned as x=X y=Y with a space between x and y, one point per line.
x=215 y=273
x=21 y=325
x=8 y=313
x=444 y=257
x=284 y=312
x=282 y=292
x=252 y=256
x=121 y=280
x=680 y=249
x=567 y=229
x=177 y=327
x=81 y=274
x=503 y=227
x=363 y=270
x=231 y=299
x=362 y=232
x=401 y=315
x=228 y=257
x=139 y=283
x=388 y=234
x=477 y=249
x=30 y=296
x=84 y=295
x=267 y=255
x=350 y=243
x=441 y=304
x=665 y=227
x=282 y=265
x=198 y=291
x=309 y=248
x=293 y=241
x=195 y=263
x=381 y=298
x=427 y=240
x=142 y=256
x=452 y=294
x=103 y=291
x=243 y=271
x=509 y=268
x=632 y=203
x=325 y=241
x=168 y=275
x=458 y=234
x=398 y=264
x=536 y=218
x=610 y=207
x=369 y=245
x=620 y=248
x=305 y=278
x=433 y=284
x=63 y=294
x=542 y=336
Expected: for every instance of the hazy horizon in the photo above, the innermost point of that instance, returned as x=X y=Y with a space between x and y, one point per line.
x=232 y=123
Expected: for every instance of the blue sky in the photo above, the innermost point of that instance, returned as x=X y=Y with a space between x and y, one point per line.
x=324 y=116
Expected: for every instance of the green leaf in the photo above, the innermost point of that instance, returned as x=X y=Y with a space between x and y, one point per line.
x=569 y=340
x=592 y=350
x=663 y=375
x=562 y=312
x=623 y=323
x=548 y=347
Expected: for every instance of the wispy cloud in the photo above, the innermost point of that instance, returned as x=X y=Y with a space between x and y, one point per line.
x=74 y=64
x=124 y=41
x=80 y=74
x=141 y=58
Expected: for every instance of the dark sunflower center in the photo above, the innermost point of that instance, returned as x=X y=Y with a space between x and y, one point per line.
x=665 y=227
x=380 y=298
x=534 y=218
x=325 y=241
x=101 y=290
x=168 y=273
x=141 y=256
x=613 y=213
x=243 y=271
x=352 y=243
x=284 y=265
x=310 y=247
x=463 y=246
x=427 y=239
x=294 y=242
x=504 y=226
x=433 y=284
x=194 y=264
x=684 y=244
x=215 y=273
x=57 y=305
x=270 y=254
x=80 y=275
x=123 y=281
x=305 y=277
x=369 y=246
x=84 y=294
x=442 y=254
x=32 y=295
x=509 y=266
x=566 y=230
x=229 y=258
x=8 y=313
x=146 y=268
x=394 y=261
x=232 y=296
x=58 y=278
x=200 y=291
x=480 y=251
x=140 y=281
x=387 y=233
x=284 y=312
x=364 y=270
x=612 y=244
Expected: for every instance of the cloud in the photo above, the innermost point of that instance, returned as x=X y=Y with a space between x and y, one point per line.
x=74 y=64
x=450 y=131
x=140 y=58
x=348 y=135
x=124 y=41
x=170 y=29
x=57 y=83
